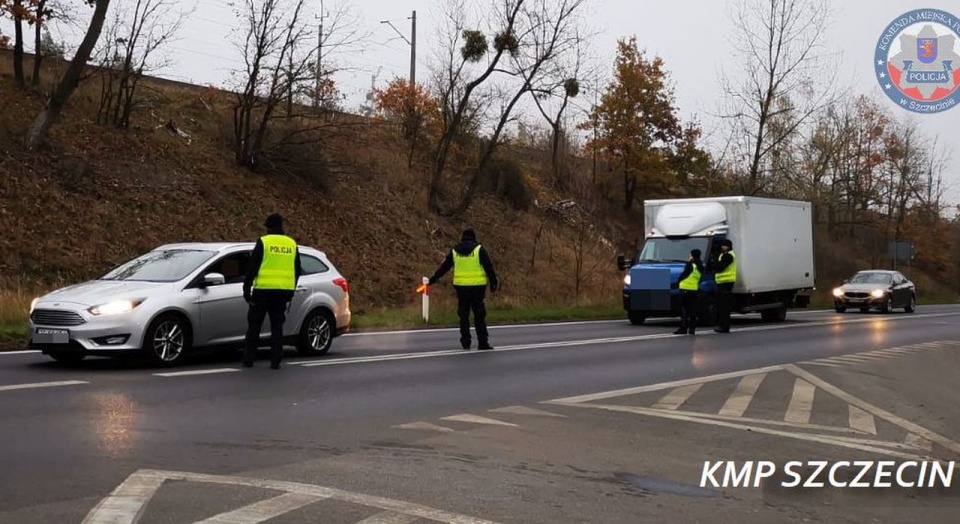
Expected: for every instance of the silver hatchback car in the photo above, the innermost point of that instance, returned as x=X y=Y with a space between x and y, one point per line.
x=179 y=297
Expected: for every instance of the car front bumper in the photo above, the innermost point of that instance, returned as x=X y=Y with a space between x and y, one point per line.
x=106 y=335
x=859 y=302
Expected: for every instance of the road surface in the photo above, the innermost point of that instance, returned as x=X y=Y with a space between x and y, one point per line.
x=405 y=427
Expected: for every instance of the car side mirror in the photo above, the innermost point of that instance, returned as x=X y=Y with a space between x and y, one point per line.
x=846 y=281
x=214 y=279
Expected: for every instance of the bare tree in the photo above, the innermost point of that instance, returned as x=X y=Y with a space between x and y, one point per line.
x=61 y=94
x=782 y=55
x=560 y=82
x=274 y=32
x=132 y=42
x=529 y=35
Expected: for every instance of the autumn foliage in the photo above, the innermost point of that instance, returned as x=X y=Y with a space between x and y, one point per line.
x=414 y=109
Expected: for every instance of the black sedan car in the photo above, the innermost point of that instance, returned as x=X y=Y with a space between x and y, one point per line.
x=876 y=289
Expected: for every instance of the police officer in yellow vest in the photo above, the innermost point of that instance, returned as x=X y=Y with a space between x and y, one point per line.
x=271 y=281
x=725 y=275
x=472 y=272
x=689 y=283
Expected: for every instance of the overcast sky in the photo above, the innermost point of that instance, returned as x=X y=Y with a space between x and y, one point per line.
x=693 y=37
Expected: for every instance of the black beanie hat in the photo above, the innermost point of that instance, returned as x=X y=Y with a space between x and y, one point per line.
x=469 y=234
x=274 y=221
x=696 y=253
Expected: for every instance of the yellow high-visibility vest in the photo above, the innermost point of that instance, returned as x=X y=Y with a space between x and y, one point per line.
x=278 y=269
x=692 y=282
x=467 y=270
x=728 y=275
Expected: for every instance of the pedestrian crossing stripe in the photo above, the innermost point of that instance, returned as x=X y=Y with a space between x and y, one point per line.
x=859 y=432
x=128 y=502
x=882 y=354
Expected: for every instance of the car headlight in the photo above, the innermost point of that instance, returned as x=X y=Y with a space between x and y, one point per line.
x=114 y=308
x=33 y=304
x=877 y=293
x=837 y=292
x=626 y=280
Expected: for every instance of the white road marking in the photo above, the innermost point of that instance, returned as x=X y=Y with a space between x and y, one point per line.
x=35 y=385
x=677 y=397
x=477 y=419
x=523 y=410
x=860 y=420
x=573 y=343
x=768 y=422
x=424 y=426
x=656 y=387
x=265 y=509
x=822 y=363
x=801 y=402
x=502 y=326
x=886 y=415
x=389 y=517
x=23 y=352
x=127 y=502
x=755 y=429
x=853 y=359
x=863 y=357
x=148 y=481
x=902 y=351
x=738 y=402
x=196 y=372
x=918 y=442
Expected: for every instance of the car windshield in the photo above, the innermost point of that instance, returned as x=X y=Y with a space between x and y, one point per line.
x=671 y=249
x=169 y=265
x=872 y=278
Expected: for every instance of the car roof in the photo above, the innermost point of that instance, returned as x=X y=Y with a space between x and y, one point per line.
x=219 y=247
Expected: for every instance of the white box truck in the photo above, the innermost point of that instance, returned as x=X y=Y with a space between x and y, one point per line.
x=773 y=241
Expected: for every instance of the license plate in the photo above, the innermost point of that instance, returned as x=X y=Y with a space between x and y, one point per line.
x=856 y=299
x=51 y=336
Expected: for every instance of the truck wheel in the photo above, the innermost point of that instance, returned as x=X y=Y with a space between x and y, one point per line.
x=774 y=315
x=636 y=318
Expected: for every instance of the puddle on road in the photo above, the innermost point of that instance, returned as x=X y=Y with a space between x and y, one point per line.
x=655 y=485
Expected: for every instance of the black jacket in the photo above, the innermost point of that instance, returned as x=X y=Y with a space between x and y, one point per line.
x=688 y=268
x=465 y=247
x=256 y=259
x=721 y=262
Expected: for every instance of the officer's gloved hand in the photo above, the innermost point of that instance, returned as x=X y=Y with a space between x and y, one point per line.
x=495 y=286
x=247 y=298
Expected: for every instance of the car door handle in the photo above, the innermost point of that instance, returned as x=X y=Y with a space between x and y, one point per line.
x=301 y=290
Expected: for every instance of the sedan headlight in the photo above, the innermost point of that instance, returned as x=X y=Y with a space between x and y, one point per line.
x=114 y=308
x=33 y=304
x=877 y=293
x=626 y=280
x=837 y=292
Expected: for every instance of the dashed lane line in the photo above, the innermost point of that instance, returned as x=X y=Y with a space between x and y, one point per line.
x=195 y=372
x=36 y=385
x=476 y=419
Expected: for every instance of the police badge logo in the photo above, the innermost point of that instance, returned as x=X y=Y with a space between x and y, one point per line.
x=917 y=61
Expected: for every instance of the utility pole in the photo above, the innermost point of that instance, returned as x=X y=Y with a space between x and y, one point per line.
x=317 y=87
x=412 y=42
x=413 y=48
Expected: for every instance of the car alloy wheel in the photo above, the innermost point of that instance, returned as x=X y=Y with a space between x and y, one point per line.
x=168 y=341
x=316 y=337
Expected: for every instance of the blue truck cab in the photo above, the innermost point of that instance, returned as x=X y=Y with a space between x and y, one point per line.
x=651 y=287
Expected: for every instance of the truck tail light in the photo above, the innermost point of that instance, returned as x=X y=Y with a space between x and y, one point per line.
x=342 y=284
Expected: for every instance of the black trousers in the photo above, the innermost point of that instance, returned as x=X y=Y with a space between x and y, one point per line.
x=689 y=309
x=724 y=304
x=266 y=303
x=471 y=298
